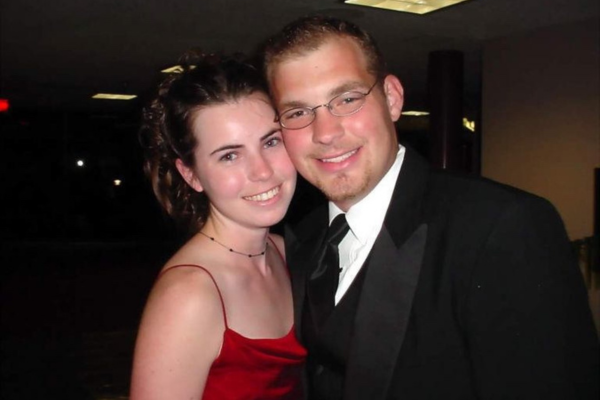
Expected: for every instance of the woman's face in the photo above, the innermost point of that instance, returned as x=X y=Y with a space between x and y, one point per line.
x=241 y=162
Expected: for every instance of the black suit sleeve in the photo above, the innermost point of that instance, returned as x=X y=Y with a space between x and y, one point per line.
x=529 y=328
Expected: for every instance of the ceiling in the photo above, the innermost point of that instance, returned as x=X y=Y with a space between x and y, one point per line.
x=55 y=55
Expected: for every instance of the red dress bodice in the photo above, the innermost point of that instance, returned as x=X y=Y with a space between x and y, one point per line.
x=254 y=368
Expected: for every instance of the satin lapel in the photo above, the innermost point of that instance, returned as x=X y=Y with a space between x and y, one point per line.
x=296 y=275
x=382 y=315
x=301 y=250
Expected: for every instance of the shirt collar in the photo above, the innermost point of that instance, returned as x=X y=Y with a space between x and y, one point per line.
x=365 y=218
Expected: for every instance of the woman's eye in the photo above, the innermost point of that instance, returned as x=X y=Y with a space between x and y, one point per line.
x=272 y=142
x=228 y=157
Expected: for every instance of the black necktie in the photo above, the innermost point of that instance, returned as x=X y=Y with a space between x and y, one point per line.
x=324 y=279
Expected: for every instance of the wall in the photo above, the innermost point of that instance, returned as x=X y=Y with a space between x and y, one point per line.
x=541 y=116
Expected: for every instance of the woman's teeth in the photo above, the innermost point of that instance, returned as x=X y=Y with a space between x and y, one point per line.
x=264 y=196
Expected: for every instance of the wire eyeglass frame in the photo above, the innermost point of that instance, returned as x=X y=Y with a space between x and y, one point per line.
x=301 y=117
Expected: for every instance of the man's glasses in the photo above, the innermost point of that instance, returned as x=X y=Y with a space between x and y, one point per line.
x=341 y=105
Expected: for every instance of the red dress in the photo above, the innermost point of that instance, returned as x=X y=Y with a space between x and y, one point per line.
x=254 y=368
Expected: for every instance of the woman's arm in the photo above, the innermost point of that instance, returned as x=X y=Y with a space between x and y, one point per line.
x=179 y=337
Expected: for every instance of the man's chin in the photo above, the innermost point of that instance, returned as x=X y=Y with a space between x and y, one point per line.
x=342 y=190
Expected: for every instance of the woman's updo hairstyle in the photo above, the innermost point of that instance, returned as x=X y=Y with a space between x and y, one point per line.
x=166 y=132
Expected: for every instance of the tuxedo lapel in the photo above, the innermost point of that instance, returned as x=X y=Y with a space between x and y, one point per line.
x=382 y=314
x=389 y=287
x=390 y=282
x=302 y=247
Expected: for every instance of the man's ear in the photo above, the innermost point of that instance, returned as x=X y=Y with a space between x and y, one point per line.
x=188 y=175
x=394 y=94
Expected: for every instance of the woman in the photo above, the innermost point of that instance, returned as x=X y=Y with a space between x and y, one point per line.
x=218 y=323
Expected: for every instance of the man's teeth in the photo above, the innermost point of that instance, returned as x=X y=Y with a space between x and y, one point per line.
x=340 y=158
x=264 y=196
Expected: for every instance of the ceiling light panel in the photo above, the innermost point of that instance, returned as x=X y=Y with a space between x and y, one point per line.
x=113 y=96
x=409 y=6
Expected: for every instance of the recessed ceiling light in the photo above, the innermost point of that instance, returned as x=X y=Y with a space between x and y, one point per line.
x=409 y=6
x=114 y=96
x=415 y=113
x=175 y=69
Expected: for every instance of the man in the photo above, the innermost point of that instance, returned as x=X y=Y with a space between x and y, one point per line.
x=450 y=287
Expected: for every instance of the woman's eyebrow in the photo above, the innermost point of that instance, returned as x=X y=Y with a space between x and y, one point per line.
x=269 y=134
x=238 y=146
x=227 y=147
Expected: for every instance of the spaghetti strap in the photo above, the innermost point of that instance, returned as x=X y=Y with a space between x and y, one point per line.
x=211 y=277
x=287 y=269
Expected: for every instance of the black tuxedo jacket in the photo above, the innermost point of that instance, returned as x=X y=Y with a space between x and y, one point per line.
x=472 y=292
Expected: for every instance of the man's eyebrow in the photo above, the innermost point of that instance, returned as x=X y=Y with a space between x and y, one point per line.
x=343 y=88
x=347 y=87
x=292 y=104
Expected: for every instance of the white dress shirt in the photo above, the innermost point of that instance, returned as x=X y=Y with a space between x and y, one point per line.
x=365 y=219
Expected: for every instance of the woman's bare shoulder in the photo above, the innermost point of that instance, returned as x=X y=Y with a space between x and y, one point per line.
x=186 y=288
x=185 y=291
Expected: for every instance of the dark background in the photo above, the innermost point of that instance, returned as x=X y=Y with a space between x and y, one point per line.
x=78 y=254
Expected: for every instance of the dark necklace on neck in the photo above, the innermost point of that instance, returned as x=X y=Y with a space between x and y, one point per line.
x=262 y=253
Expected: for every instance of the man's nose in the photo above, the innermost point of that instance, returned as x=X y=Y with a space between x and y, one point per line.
x=326 y=126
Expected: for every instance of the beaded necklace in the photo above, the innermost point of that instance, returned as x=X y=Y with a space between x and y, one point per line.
x=262 y=253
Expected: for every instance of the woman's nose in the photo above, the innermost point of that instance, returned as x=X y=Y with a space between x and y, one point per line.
x=260 y=168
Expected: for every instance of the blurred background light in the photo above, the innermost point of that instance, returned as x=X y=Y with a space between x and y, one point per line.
x=4 y=105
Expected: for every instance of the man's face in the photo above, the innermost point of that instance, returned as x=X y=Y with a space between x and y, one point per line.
x=345 y=157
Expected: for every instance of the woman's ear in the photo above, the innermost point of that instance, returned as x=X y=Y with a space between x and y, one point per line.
x=188 y=175
x=394 y=94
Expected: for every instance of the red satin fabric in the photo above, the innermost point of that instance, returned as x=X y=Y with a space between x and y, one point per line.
x=254 y=368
